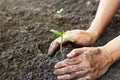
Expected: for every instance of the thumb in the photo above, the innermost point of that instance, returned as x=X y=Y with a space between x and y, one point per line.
x=54 y=45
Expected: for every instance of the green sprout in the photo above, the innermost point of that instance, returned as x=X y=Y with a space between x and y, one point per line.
x=60 y=11
x=61 y=35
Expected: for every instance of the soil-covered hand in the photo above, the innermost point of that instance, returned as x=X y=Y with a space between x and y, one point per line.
x=87 y=63
x=81 y=37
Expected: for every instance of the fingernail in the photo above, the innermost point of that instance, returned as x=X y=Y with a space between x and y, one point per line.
x=54 y=72
x=58 y=77
x=56 y=66
x=69 y=55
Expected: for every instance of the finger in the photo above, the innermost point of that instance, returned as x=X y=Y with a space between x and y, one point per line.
x=54 y=45
x=69 y=69
x=74 y=75
x=76 y=52
x=67 y=62
x=72 y=61
x=85 y=78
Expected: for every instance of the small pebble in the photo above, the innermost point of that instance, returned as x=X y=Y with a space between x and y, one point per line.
x=9 y=18
x=58 y=16
x=88 y=3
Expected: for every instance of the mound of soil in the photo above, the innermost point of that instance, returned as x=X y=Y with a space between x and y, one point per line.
x=25 y=36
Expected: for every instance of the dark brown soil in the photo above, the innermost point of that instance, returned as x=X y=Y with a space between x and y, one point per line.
x=25 y=36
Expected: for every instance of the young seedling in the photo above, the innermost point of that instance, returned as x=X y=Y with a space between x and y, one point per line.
x=61 y=35
x=60 y=11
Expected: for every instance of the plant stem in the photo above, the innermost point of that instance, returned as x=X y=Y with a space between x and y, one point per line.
x=61 y=44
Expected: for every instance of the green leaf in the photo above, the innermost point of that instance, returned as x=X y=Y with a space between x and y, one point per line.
x=64 y=32
x=69 y=38
x=58 y=33
x=60 y=11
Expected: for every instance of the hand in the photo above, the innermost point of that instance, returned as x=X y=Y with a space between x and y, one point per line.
x=87 y=63
x=81 y=37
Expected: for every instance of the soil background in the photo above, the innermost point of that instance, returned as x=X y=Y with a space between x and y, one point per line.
x=25 y=36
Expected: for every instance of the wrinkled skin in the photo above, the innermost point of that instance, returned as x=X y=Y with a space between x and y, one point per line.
x=81 y=37
x=87 y=63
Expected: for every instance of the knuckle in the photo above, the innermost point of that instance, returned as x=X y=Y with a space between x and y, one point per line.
x=73 y=75
x=71 y=69
x=75 y=50
x=67 y=70
x=66 y=61
x=76 y=75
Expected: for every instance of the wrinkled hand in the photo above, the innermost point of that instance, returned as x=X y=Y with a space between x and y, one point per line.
x=87 y=63
x=81 y=37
